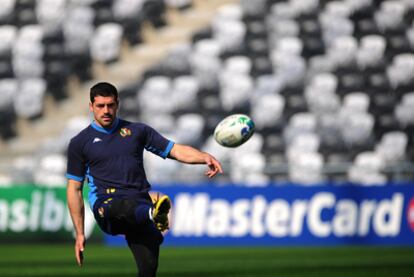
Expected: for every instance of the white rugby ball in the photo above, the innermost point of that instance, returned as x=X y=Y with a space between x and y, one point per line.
x=234 y=130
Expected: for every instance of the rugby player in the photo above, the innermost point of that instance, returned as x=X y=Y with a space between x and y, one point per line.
x=109 y=155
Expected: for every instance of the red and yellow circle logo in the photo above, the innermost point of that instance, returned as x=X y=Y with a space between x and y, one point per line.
x=410 y=214
x=125 y=132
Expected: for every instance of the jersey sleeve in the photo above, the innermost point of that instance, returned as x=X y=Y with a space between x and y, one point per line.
x=156 y=143
x=76 y=166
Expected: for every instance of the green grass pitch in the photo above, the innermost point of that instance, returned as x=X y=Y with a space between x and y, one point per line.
x=58 y=260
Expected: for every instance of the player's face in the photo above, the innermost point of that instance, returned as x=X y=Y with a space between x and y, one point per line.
x=104 y=110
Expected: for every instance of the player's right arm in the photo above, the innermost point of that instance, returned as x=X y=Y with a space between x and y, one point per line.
x=77 y=213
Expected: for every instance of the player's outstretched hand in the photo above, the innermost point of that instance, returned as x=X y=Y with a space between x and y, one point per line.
x=79 y=248
x=214 y=166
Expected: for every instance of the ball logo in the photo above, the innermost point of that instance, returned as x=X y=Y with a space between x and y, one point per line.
x=245 y=131
x=410 y=214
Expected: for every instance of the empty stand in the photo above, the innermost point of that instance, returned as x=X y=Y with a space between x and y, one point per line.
x=328 y=83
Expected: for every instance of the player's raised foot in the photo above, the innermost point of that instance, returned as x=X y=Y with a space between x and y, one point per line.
x=160 y=212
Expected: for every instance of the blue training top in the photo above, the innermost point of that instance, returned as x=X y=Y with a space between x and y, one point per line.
x=112 y=159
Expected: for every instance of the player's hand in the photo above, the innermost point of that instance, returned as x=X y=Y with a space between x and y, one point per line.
x=214 y=166
x=79 y=248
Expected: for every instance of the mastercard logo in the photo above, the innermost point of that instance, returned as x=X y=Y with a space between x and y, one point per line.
x=410 y=214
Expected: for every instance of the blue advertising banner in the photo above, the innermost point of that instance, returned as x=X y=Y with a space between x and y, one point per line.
x=289 y=215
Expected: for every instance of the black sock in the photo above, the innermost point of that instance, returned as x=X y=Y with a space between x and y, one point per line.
x=146 y=251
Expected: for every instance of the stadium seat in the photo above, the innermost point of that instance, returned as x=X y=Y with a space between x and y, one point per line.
x=59 y=144
x=306 y=169
x=401 y=70
x=23 y=168
x=163 y=122
x=177 y=61
x=319 y=64
x=205 y=63
x=156 y=96
x=230 y=34
x=267 y=110
x=392 y=147
x=356 y=102
x=9 y=89
x=129 y=13
x=327 y=82
x=279 y=28
x=8 y=35
x=305 y=7
x=170 y=169
x=253 y=9
x=299 y=123
x=248 y=169
x=78 y=29
x=335 y=27
x=390 y=15
x=235 y=90
x=341 y=9
x=356 y=129
x=267 y=84
x=283 y=10
x=366 y=169
x=404 y=111
x=290 y=68
x=289 y=46
x=343 y=51
x=321 y=102
x=186 y=92
x=29 y=101
x=329 y=131
x=189 y=128
x=228 y=12
x=50 y=14
x=6 y=10
x=105 y=44
x=302 y=143
x=28 y=52
x=321 y=95
x=371 y=51
x=238 y=65
x=51 y=171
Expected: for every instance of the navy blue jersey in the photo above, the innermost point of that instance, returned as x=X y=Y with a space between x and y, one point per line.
x=112 y=160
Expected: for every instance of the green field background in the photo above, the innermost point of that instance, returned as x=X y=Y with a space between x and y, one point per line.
x=58 y=260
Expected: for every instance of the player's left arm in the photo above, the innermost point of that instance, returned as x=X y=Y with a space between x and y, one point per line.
x=189 y=155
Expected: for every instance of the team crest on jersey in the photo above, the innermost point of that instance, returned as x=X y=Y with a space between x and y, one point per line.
x=101 y=212
x=125 y=132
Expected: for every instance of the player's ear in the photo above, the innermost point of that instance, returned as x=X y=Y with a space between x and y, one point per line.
x=90 y=107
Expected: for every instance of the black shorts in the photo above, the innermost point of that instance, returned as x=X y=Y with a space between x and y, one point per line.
x=116 y=216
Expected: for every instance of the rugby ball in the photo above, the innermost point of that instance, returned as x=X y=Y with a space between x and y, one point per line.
x=234 y=130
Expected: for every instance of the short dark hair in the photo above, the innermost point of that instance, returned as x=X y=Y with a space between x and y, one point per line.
x=103 y=89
